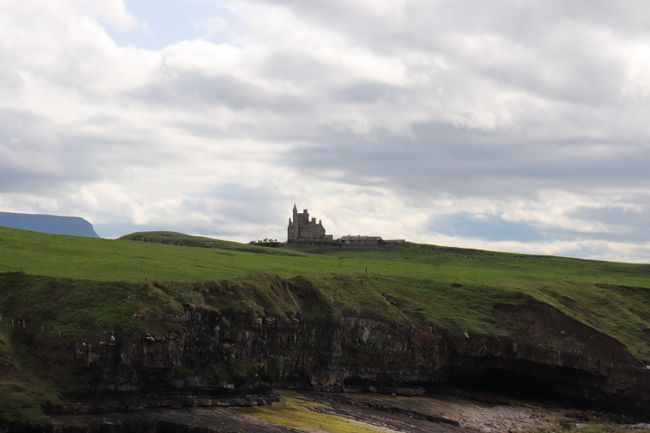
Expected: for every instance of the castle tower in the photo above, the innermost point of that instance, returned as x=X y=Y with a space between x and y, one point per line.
x=302 y=227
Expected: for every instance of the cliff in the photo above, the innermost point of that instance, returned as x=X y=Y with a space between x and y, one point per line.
x=229 y=351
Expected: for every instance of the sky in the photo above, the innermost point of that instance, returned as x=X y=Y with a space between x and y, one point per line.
x=513 y=125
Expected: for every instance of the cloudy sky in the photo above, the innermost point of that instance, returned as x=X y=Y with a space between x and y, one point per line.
x=518 y=125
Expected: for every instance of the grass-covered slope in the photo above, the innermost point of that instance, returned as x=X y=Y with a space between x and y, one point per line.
x=22 y=393
x=107 y=284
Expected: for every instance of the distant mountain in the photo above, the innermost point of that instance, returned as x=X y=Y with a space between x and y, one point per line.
x=56 y=225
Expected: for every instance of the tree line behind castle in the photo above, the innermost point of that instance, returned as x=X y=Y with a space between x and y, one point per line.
x=305 y=231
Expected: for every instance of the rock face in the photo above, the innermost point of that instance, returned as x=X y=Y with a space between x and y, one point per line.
x=215 y=355
x=56 y=225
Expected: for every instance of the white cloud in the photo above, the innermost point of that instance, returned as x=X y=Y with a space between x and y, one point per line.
x=113 y=12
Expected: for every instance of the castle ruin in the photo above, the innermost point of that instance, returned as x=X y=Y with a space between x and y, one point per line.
x=307 y=231
x=302 y=228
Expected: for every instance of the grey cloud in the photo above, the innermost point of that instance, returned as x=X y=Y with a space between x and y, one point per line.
x=490 y=227
x=297 y=67
x=576 y=73
x=37 y=156
x=635 y=221
x=494 y=227
x=442 y=158
x=627 y=16
x=239 y=203
x=193 y=89
x=221 y=210
x=33 y=156
x=528 y=19
x=562 y=57
x=369 y=92
x=320 y=79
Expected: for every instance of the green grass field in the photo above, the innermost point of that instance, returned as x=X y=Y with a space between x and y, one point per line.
x=101 y=284
x=111 y=260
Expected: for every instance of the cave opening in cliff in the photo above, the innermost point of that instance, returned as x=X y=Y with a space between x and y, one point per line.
x=530 y=383
x=533 y=384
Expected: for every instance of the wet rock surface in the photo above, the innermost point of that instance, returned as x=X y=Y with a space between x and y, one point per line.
x=488 y=414
x=428 y=413
x=197 y=420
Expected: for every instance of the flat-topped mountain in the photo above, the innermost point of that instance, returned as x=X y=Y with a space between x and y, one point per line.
x=52 y=224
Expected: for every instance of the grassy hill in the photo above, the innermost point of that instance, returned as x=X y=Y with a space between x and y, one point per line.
x=123 y=259
x=106 y=283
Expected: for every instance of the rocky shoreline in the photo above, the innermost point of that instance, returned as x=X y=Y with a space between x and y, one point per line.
x=437 y=413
